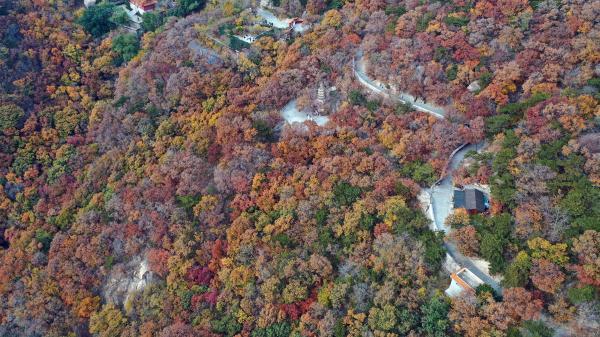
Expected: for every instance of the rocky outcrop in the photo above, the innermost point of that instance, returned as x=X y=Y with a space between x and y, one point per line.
x=126 y=279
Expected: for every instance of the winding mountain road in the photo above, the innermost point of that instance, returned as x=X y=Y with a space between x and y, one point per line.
x=360 y=71
x=442 y=192
x=441 y=203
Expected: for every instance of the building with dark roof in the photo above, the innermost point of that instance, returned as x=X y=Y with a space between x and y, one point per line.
x=473 y=200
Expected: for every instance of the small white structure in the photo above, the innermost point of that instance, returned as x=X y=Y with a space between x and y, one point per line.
x=321 y=98
x=298 y=25
x=135 y=17
x=321 y=93
x=88 y=3
x=248 y=38
x=474 y=86
x=463 y=280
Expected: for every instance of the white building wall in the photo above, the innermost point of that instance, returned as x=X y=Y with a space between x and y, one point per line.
x=454 y=289
x=136 y=8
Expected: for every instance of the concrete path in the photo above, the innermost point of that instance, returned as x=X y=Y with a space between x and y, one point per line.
x=441 y=203
x=280 y=23
x=441 y=194
x=291 y=114
x=271 y=18
x=359 y=66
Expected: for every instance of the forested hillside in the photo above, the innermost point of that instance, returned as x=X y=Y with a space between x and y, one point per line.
x=150 y=184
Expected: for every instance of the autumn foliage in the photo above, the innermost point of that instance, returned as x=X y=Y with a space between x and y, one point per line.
x=149 y=185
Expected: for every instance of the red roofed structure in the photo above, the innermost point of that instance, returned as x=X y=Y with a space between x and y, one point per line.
x=143 y=5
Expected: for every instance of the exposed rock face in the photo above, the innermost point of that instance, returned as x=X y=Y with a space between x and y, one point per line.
x=126 y=279
x=474 y=86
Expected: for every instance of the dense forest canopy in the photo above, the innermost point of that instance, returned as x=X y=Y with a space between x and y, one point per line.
x=151 y=183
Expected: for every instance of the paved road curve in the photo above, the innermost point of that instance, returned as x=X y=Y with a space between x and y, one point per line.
x=379 y=88
x=441 y=193
x=441 y=203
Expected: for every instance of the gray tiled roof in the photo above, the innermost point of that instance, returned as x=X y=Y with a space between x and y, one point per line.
x=469 y=199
